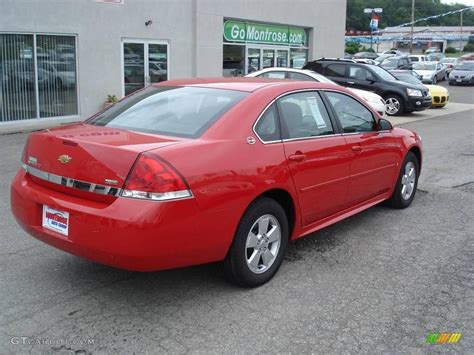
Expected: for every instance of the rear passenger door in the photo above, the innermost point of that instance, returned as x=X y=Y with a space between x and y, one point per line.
x=374 y=166
x=318 y=158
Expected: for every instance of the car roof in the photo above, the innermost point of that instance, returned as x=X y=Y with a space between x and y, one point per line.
x=247 y=84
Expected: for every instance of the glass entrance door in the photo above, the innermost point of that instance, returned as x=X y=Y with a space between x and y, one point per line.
x=253 y=60
x=261 y=58
x=144 y=63
x=281 y=58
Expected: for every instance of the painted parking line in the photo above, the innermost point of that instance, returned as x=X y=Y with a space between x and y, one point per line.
x=450 y=108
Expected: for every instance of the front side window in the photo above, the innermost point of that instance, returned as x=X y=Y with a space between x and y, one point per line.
x=353 y=116
x=359 y=73
x=268 y=127
x=303 y=115
x=174 y=111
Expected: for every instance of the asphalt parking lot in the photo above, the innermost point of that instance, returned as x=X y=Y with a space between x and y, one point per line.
x=378 y=282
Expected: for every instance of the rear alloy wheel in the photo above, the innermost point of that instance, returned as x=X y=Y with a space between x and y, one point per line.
x=407 y=182
x=259 y=245
x=394 y=105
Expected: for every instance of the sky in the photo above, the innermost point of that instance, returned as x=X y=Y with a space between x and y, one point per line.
x=465 y=2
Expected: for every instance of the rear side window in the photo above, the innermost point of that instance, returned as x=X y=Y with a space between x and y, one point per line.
x=174 y=111
x=353 y=116
x=303 y=115
x=337 y=70
x=299 y=76
x=268 y=127
x=274 y=75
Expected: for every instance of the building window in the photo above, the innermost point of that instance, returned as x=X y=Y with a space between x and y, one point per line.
x=37 y=76
x=233 y=60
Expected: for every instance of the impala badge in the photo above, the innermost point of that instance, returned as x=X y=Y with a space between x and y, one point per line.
x=64 y=158
x=111 y=182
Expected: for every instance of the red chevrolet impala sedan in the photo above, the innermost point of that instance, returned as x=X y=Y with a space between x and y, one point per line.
x=195 y=171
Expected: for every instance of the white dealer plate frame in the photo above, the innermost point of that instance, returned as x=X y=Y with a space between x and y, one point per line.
x=58 y=224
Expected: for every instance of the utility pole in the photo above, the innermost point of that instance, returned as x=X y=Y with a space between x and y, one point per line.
x=460 y=37
x=412 y=23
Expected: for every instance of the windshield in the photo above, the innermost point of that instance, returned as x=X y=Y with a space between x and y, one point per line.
x=424 y=66
x=465 y=66
x=175 y=111
x=408 y=78
x=382 y=73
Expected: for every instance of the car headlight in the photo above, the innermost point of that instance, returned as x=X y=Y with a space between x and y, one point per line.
x=413 y=92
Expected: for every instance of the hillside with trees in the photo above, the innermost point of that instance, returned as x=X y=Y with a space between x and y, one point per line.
x=396 y=12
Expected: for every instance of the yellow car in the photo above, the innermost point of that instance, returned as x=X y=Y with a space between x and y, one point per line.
x=439 y=95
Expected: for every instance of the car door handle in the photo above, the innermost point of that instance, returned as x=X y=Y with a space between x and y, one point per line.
x=356 y=148
x=297 y=157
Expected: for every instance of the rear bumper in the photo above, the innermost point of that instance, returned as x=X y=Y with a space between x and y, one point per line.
x=129 y=234
x=418 y=104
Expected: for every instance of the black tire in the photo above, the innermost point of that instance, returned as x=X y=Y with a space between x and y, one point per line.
x=396 y=200
x=435 y=80
x=401 y=106
x=451 y=83
x=236 y=267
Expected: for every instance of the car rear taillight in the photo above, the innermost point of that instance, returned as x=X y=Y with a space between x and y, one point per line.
x=151 y=178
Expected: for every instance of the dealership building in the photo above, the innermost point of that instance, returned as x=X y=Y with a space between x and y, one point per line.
x=61 y=60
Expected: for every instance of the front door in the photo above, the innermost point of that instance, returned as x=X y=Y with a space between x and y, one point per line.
x=319 y=159
x=144 y=63
x=374 y=166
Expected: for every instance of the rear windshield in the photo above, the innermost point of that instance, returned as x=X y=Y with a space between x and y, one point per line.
x=424 y=66
x=174 y=111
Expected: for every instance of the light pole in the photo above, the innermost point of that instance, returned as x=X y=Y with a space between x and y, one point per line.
x=412 y=23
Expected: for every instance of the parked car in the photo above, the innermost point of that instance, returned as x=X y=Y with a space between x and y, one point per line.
x=347 y=55
x=467 y=56
x=374 y=100
x=414 y=58
x=399 y=97
x=463 y=73
x=382 y=57
x=450 y=63
x=127 y=190
x=432 y=50
x=439 y=95
x=435 y=57
x=431 y=72
x=396 y=62
x=392 y=52
x=365 y=55
x=365 y=61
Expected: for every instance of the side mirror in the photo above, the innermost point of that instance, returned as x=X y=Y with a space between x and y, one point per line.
x=384 y=125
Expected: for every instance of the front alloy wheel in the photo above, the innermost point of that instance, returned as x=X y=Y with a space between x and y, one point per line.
x=259 y=244
x=405 y=189
x=393 y=105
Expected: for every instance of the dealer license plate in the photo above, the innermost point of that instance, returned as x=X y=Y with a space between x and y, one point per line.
x=55 y=220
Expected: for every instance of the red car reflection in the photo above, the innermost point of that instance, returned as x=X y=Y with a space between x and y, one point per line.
x=196 y=171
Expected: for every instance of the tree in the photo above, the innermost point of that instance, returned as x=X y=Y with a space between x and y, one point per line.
x=397 y=12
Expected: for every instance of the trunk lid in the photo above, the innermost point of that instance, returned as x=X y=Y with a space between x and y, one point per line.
x=87 y=153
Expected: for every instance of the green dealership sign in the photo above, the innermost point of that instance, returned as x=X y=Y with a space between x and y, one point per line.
x=240 y=31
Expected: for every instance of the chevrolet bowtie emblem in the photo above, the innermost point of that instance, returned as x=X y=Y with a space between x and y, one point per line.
x=64 y=158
